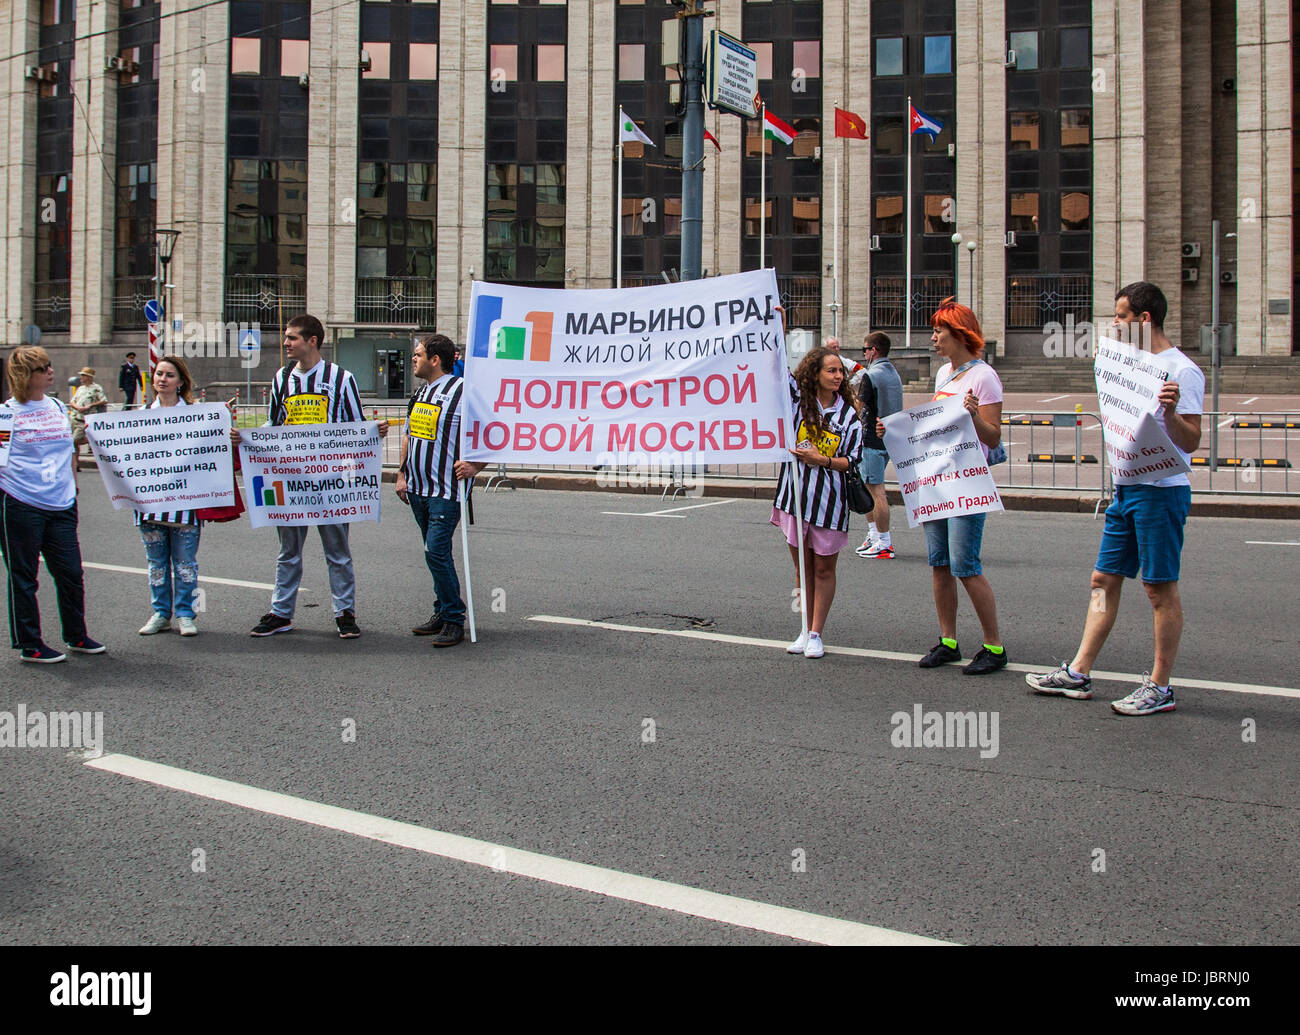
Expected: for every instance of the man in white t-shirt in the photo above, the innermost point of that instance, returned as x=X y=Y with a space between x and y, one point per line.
x=1144 y=524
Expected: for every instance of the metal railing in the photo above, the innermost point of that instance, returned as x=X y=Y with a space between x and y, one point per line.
x=252 y=298
x=887 y=300
x=802 y=298
x=130 y=295
x=396 y=300
x=52 y=307
x=1035 y=300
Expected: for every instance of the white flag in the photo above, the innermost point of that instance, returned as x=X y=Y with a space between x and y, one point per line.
x=628 y=130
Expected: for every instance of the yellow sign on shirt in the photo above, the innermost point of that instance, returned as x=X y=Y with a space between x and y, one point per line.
x=825 y=442
x=424 y=420
x=307 y=408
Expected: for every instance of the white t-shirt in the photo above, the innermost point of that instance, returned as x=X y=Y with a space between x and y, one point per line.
x=1191 y=398
x=39 y=472
x=979 y=378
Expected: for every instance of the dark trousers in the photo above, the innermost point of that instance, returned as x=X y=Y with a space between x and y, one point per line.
x=25 y=534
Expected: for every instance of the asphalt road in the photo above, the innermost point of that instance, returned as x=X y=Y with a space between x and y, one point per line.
x=768 y=777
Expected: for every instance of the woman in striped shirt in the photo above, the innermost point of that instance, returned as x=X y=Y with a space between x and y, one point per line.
x=828 y=439
x=171 y=540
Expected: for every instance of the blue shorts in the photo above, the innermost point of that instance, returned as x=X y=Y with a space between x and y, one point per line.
x=1144 y=530
x=873 y=465
x=955 y=543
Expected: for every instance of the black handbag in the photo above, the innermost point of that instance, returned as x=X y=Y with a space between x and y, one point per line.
x=859 y=498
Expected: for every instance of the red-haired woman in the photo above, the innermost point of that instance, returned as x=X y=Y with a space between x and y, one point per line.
x=954 y=543
x=828 y=437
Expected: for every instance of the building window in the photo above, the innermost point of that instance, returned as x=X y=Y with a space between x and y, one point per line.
x=1076 y=211
x=245 y=56
x=1025 y=44
x=550 y=63
x=889 y=56
x=889 y=213
x=379 y=53
x=764 y=52
x=293 y=58
x=938 y=55
x=1023 y=134
x=808 y=58
x=424 y=61
x=631 y=62
x=1023 y=213
x=1076 y=51
x=1076 y=128
x=503 y=61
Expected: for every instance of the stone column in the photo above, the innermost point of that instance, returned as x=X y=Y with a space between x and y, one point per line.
x=1198 y=91
x=725 y=226
x=193 y=73
x=94 y=173
x=1264 y=185
x=1168 y=158
x=334 y=82
x=462 y=92
x=590 y=171
x=20 y=26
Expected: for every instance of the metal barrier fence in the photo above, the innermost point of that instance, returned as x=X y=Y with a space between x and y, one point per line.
x=1048 y=450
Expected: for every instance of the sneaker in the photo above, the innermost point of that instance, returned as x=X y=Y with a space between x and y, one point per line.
x=798 y=646
x=815 y=649
x=1059 y=682
x=157 y=623
x=429 y=628
x=867 y=545
x=940 y=654
x=186 y=627
x=348 y=628
x=450 y=635
x=985 y=661
x=42 y=655
x=270 y=624
x=86 y=645
x=1145 y=700
x=878 y=552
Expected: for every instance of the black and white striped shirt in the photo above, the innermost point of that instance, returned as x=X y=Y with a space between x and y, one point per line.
x=325 y=394
x=433 y=438
x=169 y=517
x=825 y=494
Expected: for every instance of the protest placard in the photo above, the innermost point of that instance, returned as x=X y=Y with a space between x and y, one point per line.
x=165 y=459
x=940 y=465
x=688 y=373
x=312 y=474
x=1138 y=447
x=6 y=433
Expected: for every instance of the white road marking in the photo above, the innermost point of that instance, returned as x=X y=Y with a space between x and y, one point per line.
x=202 y=578
x=669 y=511
x=1264 y=542
x=629 y=887
x=890 y=655
x=1223 y=423
x=1054 y=398
x=1247 y=402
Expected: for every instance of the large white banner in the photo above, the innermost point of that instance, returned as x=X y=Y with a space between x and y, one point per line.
x=690 y=373
x=940 y=465
x=1137 y=446
x=165 y=459
x=312 y=474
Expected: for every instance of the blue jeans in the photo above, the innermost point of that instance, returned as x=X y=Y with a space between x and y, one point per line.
x=438 y=519
x=173 y=553
x=955 y=543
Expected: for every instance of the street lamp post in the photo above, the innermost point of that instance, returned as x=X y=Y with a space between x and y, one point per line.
x=970 y=250
x=166 y=241
x=956 y=263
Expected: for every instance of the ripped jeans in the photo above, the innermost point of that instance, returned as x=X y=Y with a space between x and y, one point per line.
x=172 y=551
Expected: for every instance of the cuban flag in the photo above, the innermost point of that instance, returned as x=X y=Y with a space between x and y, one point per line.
x=922 y=123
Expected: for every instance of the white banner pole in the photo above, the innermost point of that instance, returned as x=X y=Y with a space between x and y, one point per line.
x=464 y=542
x=798 y=524
x=762 y=187
x=618 y=282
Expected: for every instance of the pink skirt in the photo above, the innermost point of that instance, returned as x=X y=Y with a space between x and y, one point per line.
x=824 y=541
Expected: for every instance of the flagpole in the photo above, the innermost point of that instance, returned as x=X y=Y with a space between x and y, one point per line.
x=907 y=231
x=762 y=187
x=619 y=279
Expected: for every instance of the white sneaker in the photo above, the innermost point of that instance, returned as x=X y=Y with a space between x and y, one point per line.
x=186 y=627
x=868 y=544
x=157 y=623
x=814 y=648
x=798 y=646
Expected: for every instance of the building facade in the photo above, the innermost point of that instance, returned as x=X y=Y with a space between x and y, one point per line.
x=367 y=160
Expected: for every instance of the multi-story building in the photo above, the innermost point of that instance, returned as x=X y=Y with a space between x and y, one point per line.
x=365 y=160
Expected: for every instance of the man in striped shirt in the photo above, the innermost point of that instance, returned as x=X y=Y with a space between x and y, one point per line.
x=429 y=479
x=312 y=391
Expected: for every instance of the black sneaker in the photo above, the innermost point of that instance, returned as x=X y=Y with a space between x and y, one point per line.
x=42 y=655
x=450 y=635
x=348 y=628
x=985 y=661
x=86 y=645
x=272 y=623
x=429 y=628
x=940 y=654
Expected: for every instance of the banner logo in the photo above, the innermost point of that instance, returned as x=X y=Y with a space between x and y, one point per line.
x=496 y=339
x=267 y=497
